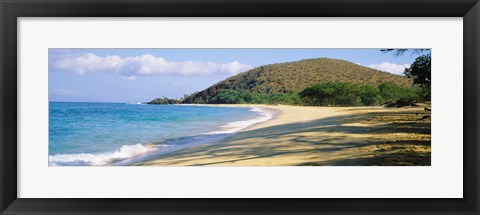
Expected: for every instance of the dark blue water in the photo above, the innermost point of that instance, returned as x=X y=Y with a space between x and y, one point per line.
x=108 y=133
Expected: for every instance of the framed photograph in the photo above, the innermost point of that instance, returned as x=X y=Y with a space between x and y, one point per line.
x=239 y=107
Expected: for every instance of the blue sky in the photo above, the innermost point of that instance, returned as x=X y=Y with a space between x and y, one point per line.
x=139 y=75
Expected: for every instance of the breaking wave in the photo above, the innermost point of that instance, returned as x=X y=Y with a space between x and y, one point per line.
x=85 y=159
x=130 y=153
x=237 y=126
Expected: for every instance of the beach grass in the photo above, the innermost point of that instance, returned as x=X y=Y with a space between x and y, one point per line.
x=319 y=136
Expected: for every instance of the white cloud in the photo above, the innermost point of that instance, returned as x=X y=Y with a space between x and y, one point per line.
x=393 y=68
x=144 y=65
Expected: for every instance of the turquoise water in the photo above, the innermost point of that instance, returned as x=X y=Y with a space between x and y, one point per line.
x=113 y=133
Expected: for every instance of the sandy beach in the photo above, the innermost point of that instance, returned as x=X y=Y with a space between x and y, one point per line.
x=316 y=136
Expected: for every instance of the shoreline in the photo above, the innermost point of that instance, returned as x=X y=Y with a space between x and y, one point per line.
x=311 y=136
x=212 y=137
x=140 y=152
x=279 y=117
x=269 y=109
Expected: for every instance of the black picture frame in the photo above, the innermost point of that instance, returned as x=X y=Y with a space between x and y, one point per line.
x=10 y=10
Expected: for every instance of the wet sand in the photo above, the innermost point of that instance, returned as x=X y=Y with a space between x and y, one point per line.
x=318 y=136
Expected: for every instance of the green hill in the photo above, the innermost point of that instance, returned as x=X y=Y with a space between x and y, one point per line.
x=296 y=76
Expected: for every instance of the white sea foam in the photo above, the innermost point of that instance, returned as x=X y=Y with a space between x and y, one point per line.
x=133 y=153
x=237 y=126
x=84 y=159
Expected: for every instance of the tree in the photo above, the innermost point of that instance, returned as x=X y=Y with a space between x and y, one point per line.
x=369 y=95
x=351 y=94
x=199 y=100
x=398 y=52
x=420 y=72
x=339 y=94
x=228 y=96
x=389 y=91
x=163 y=101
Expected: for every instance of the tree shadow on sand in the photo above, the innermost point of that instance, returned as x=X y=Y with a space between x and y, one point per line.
x=370 y=139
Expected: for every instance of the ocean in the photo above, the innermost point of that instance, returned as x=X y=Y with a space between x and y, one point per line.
x=91 y=134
